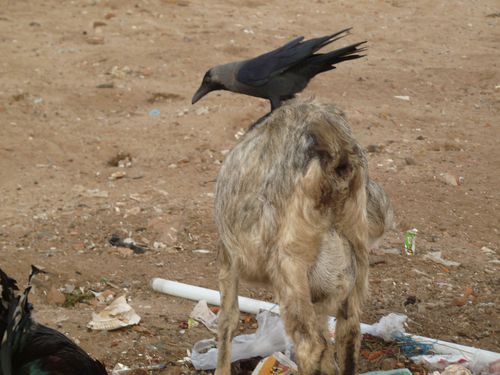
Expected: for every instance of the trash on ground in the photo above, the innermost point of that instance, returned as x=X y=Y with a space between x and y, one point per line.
x=436 y=257
x=123 y=369
x=269 y=338
x=398 y=371
x=277 y=363
x=240 y=133
x=403 y=97
x=121 y=159
x=117 y=175
x=409 y=242
x=117 y=241
x=154 y=113
x=118 y=314
x=202 y=313
x=450 y=179
x=202 y=251
x=388 y=327
x=456 y=370
x=205 y=352
x=439 y=361
x=188 y=324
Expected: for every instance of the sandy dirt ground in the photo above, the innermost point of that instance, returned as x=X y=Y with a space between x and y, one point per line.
x=98 y=137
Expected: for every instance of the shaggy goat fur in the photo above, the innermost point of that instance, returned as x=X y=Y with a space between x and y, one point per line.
x=291 y=210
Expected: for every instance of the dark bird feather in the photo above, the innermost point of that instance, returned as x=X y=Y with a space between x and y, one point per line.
x=279 y=74
x=30 y=348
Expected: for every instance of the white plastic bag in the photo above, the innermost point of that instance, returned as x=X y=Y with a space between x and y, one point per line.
x=388 y=327
x=269 y=338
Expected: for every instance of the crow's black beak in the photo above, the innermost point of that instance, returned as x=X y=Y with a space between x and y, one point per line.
x=201 y=92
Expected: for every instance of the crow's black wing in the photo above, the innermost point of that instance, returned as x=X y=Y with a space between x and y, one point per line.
x=258 y=71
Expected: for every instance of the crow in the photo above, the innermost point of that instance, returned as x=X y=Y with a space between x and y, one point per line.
x=30 y=348
x=280 y=74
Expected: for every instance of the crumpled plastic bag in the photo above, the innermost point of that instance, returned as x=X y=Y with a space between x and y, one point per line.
x=269 y=338
x=117 y=315
x=202 y=313
x=388 y=327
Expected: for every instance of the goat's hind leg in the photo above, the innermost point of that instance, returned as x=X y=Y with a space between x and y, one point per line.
x=348 y=334
x=229 y=313
x=300 y=318
x=327 y=362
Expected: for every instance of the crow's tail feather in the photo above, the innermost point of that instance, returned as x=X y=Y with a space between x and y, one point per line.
x=319 y=63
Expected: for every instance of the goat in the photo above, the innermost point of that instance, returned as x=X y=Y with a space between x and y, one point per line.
x=291 y=211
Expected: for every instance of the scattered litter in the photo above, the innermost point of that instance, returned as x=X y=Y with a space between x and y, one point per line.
x=269 y=338
x=439 y=361
x=240 y=133
x=122 y=369
x=436 y=257
x=451 y=179
x=117 y=241
x=118 y=314
x=277 y=363
x=159 y=245
x=202 y=313
x=411 y=347
x=206 y=352
x=399 y=371
x=409 y=247
x=403 y=97
x=202 y=251
x=188 y=324
x=154 y=113
x=456 y=370
x=121 y=159
x=117 y=175
x=103 y=297
x=388 y=327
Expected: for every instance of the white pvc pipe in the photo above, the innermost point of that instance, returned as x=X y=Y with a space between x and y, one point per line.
x=253 y=306
x=196 y=293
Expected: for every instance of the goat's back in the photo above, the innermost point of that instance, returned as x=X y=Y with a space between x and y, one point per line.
x=294 y=177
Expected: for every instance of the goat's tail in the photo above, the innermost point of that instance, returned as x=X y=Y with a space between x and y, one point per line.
x=343 y=184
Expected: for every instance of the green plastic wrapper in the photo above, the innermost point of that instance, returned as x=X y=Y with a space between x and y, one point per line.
x=409 y=247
